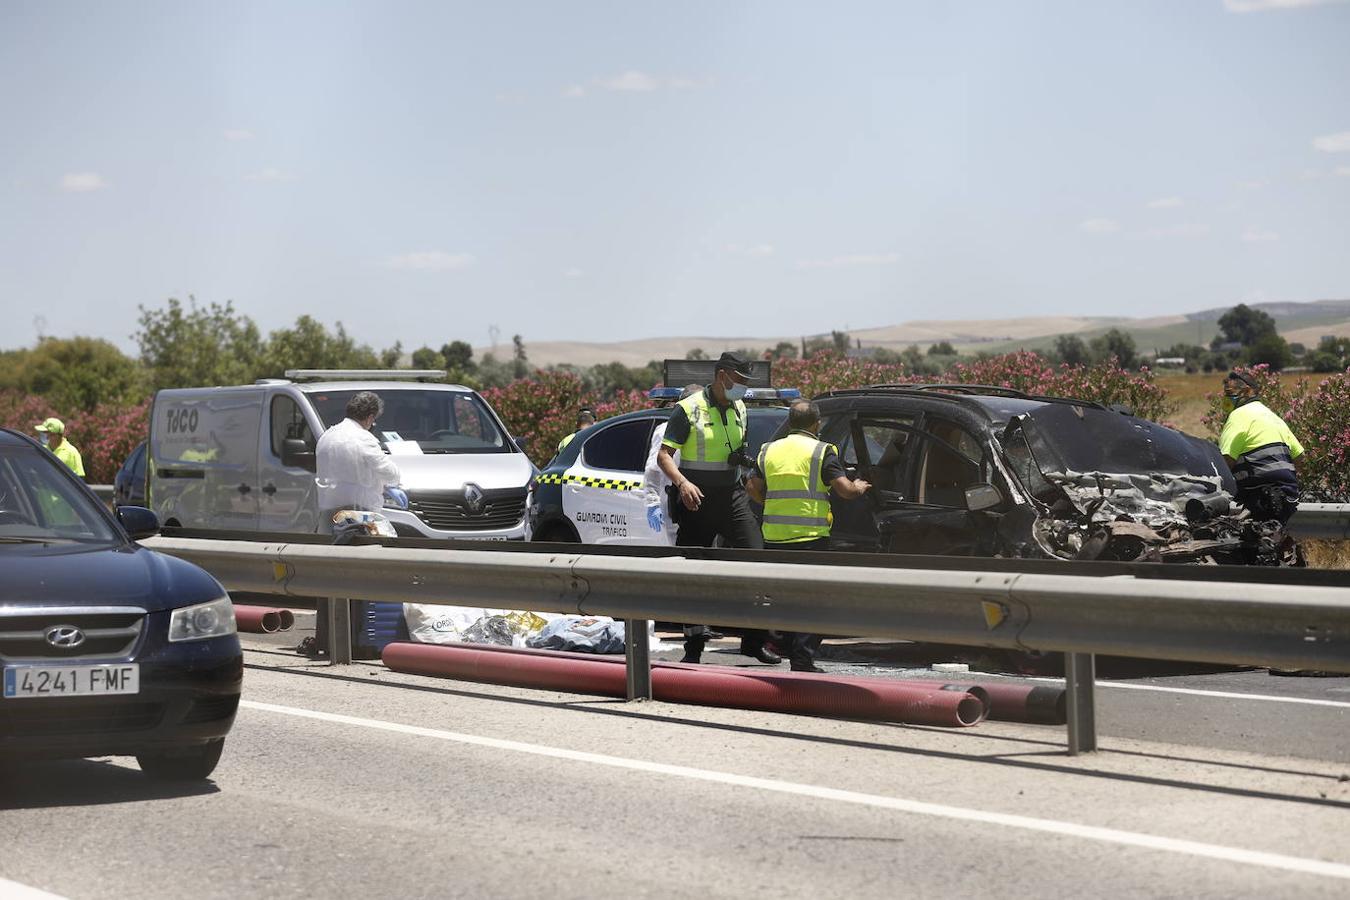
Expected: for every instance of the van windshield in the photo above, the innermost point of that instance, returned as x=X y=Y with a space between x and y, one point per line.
x=416 y=421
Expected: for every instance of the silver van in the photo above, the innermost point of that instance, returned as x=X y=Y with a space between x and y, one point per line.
x=242 y=458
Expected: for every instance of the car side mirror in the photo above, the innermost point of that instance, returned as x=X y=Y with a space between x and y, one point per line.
x=138 y=522
x=295 y=452
x=983 y=496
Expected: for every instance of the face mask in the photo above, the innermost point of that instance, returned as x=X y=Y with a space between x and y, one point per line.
x=735 y=392
x=44 y=438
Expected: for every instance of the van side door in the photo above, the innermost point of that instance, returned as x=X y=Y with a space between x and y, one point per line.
x=288 y=500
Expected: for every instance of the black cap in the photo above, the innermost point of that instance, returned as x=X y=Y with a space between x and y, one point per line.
x=735 y=363
x=1243 y=377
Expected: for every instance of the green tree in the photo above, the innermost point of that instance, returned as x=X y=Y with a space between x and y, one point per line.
x=784 y=350
x=841 y=342
x=520 y=362
x=1270 y=349
x=1118 y=344
x=1070 y=350
x=390 y=357
x=1332 y=355
x=942 y=348
x=309 y=345
x=458 y=356
x=1244 y=325
x=78 y=374
x=426 y=358
x=198 y=346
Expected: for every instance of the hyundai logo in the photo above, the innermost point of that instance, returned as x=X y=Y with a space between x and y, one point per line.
x=473 y=499
x=66 y=637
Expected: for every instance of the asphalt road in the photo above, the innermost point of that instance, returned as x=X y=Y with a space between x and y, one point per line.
x=359 y=782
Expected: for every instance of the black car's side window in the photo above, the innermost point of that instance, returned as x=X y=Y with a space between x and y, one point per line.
x=622 y=447
x=288 y=422
x=952 y=461
x=880 y=450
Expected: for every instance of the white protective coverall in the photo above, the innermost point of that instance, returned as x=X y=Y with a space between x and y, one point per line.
x=352 y=469
x=654 y=484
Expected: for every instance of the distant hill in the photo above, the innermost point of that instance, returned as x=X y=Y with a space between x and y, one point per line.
x=1304 y=322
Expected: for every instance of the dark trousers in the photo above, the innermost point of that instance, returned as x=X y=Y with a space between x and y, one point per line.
x=799 y=647
x=725 y=512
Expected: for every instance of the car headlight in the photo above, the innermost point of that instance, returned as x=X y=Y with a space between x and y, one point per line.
x=205 y=620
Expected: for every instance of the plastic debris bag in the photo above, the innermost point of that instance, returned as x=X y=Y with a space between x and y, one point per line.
x=491 y=630
x=581 y=634
x=432 y=623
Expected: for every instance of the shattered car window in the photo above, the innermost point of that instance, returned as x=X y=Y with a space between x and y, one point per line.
x=951 y=463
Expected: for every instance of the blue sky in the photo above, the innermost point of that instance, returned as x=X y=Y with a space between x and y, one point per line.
x=602 y=171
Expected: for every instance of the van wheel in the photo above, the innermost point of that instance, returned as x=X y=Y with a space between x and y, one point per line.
x=192 y=764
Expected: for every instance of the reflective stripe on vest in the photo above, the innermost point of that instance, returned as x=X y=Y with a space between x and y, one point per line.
x=710 y=442
x=796 y=498
x=1270 y=464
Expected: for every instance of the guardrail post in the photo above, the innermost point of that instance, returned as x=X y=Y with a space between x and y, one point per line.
x=1080 y=674
x=637 y=653
x=339 y=631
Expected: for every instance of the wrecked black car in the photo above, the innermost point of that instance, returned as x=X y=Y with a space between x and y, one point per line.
x=975 y=470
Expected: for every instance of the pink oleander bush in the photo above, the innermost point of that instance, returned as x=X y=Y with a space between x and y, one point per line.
x=543 y=409
x=105 y=436
x=1318 y=412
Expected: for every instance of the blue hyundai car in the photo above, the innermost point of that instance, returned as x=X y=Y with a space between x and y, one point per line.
x=106 y=648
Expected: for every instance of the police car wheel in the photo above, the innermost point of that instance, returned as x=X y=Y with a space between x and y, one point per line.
x=557 y=534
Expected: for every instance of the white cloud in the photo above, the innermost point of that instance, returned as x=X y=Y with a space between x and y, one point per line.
x=269 y=174
x=1259 y=235
x=1099 y=226
x=237 y=134
x=852 y=259
x=573 y=273
x=1343 y=171
x=750 y=249
x=1251 y=6
x=1333 y=143
x=429 y=261
x=632 y=80
x=1165 y=203
x=82 y=182
x=1188 y=230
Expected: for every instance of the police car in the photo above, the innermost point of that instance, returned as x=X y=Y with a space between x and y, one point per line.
x=591 y=492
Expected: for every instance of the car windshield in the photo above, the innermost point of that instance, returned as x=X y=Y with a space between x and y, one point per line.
x=1083 y=439
x=39 y=504
x=761 y=425
x=424 y=421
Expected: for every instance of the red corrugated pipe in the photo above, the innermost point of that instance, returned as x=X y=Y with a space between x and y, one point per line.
x=706 y=685
x=1035 y=704
x=263 y=619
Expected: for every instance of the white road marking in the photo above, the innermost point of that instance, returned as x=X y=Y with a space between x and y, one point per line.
x=1050 y=826
x=1225 y=695
x=12 y=890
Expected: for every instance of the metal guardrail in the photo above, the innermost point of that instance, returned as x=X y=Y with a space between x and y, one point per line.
x=1325 y=521
x=1241 y=623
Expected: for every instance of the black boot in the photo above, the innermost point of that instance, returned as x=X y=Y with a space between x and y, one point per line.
x=693 y=649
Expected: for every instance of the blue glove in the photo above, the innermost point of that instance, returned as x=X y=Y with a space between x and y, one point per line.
x=655 y=517
x=397 y=496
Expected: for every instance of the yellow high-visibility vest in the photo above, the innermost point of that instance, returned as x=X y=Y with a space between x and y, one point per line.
x=796 y=497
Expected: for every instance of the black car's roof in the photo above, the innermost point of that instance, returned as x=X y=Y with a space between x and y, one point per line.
x=14 y=438
x=994 y=402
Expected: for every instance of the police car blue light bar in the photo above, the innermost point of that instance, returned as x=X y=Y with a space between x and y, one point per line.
x=673 y=393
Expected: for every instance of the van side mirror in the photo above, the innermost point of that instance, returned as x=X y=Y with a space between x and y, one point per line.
x=138 y=522
x=983 y=496
x=295 y=452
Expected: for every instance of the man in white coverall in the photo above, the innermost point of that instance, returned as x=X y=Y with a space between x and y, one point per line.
x=353 y=472
x=655 y=481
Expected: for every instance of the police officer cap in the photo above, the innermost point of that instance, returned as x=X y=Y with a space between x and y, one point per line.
x=734 y=362
x=1246 y=379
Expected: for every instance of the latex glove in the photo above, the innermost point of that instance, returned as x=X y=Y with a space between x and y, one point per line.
x=397 y=496
x=655 y=518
